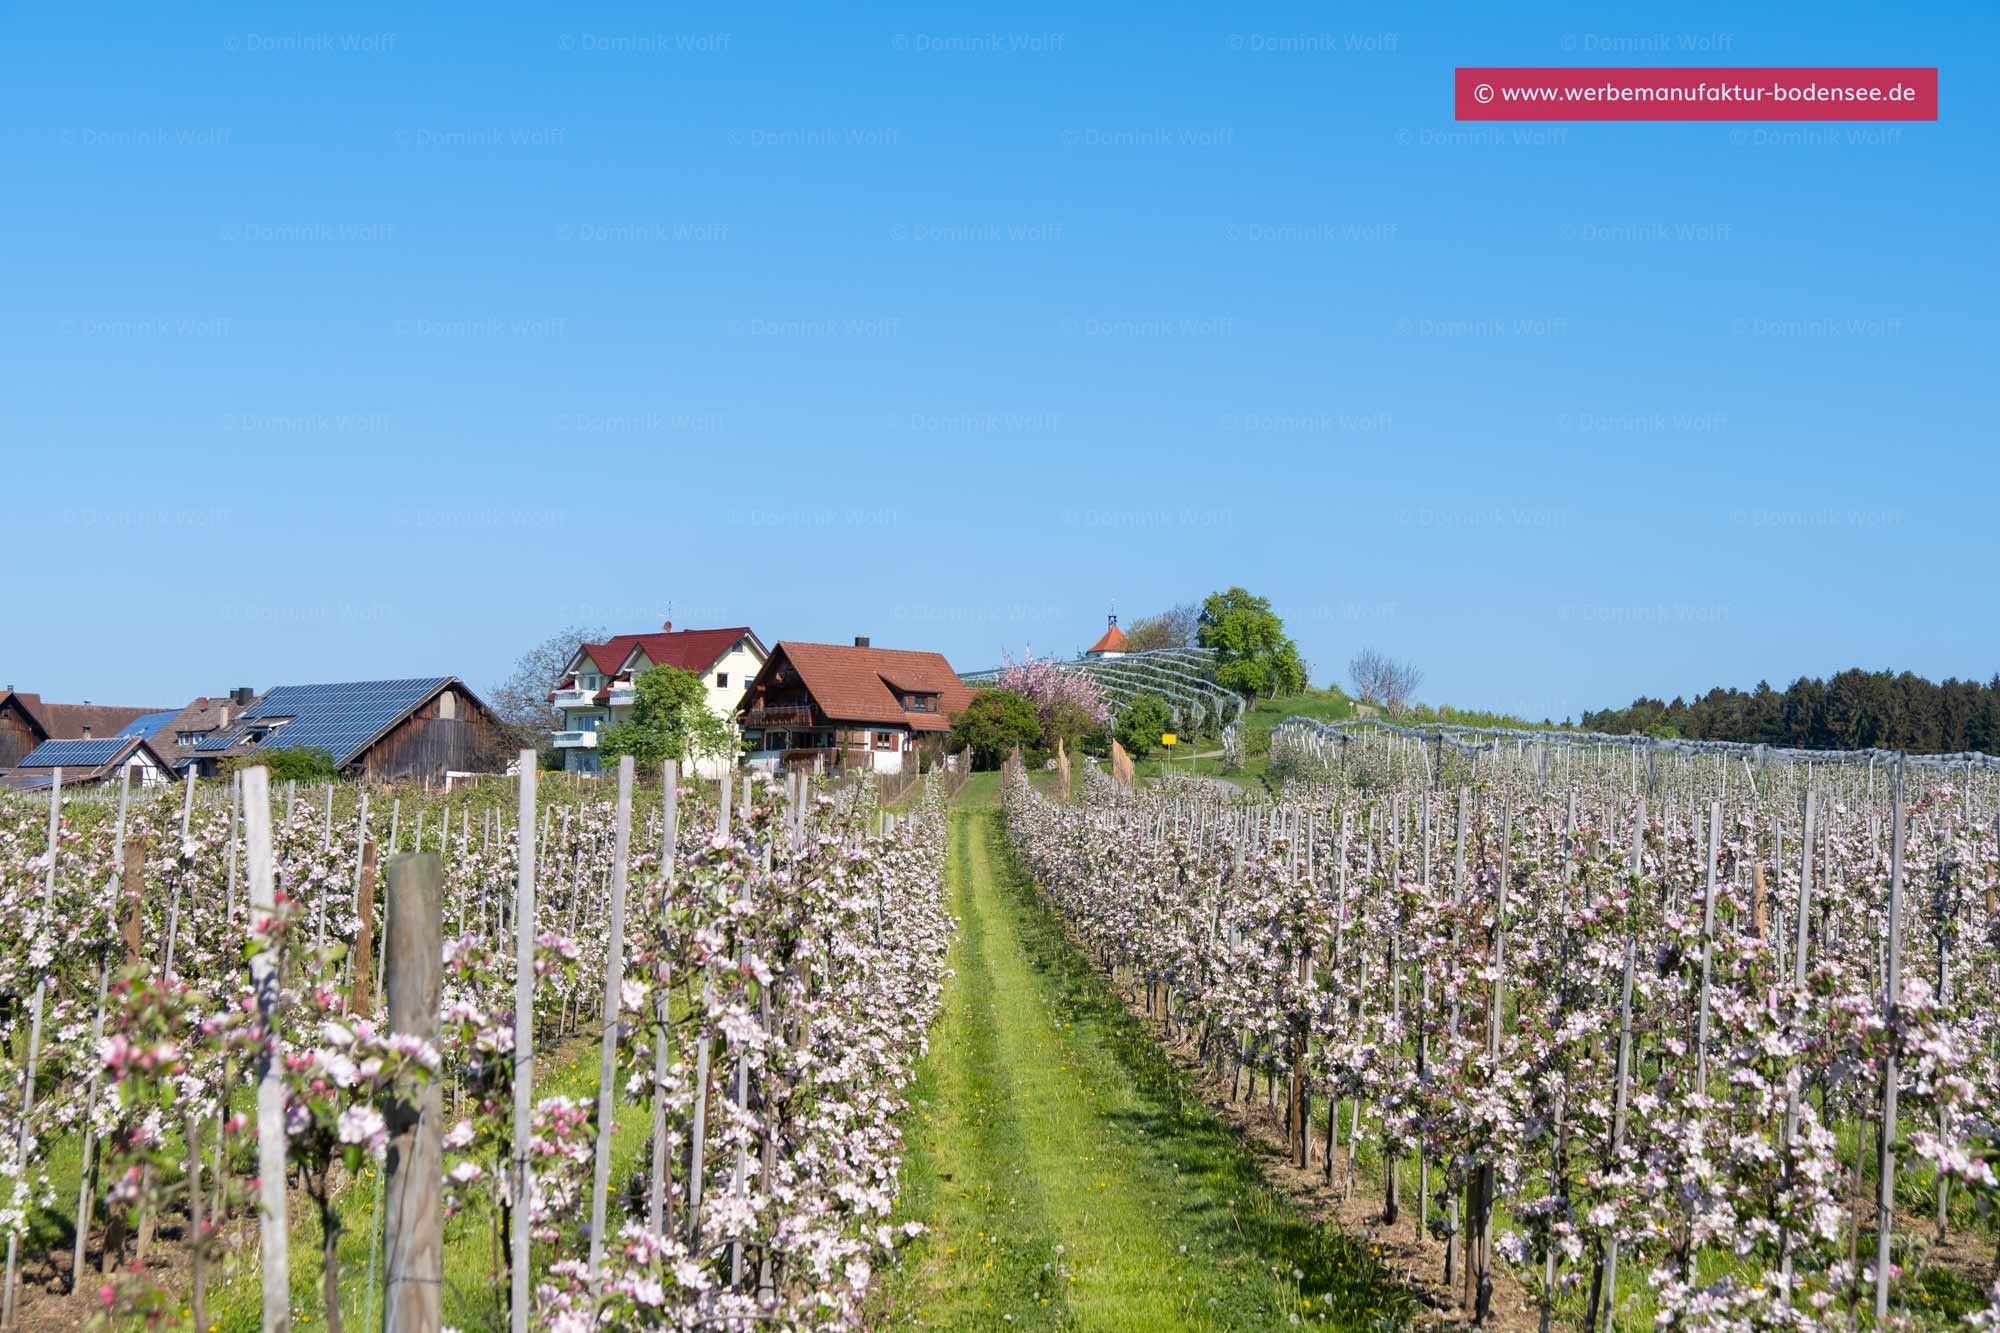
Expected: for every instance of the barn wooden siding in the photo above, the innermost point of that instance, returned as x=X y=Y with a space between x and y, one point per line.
x=427 y=743
x=17 y=737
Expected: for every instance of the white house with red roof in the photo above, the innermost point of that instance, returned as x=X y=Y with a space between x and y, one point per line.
x=598 y=684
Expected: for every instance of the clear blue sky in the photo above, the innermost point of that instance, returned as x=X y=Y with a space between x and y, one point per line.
x=351 y=341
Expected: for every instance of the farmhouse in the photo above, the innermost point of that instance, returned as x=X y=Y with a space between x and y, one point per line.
x=26 y=721
x=413 y=730
x=599 y=683
x=831 y=706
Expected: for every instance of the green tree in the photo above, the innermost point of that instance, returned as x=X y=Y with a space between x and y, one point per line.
x=301 y=763
x=1252 y=654
x=1069 y=720
x=1142 y=724
x=670 y=720
x=994 y=723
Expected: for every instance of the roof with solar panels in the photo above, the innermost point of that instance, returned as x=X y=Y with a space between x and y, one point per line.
x=342 y=718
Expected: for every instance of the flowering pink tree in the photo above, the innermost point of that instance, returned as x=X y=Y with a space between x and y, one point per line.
x=1063 y=696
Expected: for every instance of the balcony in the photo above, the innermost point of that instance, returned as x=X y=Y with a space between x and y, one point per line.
x=574 y=740
x=573 y=699
x=783 y=715
x=623 y=693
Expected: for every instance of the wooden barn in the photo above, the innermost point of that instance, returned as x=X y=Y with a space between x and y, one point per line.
x=414 y=730
x=26 y=721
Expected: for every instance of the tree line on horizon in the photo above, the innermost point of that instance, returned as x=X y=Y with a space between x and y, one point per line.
x=1852 y=710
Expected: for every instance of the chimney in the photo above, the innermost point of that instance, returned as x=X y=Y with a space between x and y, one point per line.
x=243 y=694
x=86 y=731
x=666 y=627
x=861 y=641
x=224 y=720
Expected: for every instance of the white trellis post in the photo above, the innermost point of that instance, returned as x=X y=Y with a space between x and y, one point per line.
x=656 y=1198
x=83 y=1200
x=614 y=976
x=274 y=1239
x=1885 y=1196
x=42 y=926
x=1609 y=1284
x=524 y=1047
x=180 y=873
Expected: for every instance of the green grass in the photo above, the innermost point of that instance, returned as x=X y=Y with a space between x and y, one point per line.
x=1068 y=1180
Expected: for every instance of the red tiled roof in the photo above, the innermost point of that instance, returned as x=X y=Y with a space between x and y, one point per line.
x=689 y=649
x=853 y=684
x=69 y=722
x=1112 y=642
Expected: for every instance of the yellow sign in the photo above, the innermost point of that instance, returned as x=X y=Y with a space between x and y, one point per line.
x=1168 y=738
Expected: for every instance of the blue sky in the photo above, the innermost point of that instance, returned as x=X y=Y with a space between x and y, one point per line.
x=350 y=342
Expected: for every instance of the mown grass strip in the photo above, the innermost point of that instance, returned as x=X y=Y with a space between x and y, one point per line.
x=1099 y=1196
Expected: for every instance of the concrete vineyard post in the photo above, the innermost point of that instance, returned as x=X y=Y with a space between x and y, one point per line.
x=1885 y=1176
x=274 y=1237
x=614 y=976
x=1609 y=1281
x=35 y=1030
x=84 y=1191
x=181 y=858
x=1707 y=946
x=657 y=1184
x=520 y=1287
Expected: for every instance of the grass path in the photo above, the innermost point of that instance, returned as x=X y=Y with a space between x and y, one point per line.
x=1066 y=1181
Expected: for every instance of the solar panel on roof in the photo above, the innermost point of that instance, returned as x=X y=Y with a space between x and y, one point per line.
x=147 y=723
x=73 y=754
x=338 y=718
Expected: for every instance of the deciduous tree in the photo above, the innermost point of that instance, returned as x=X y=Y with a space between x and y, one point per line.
x=1252 y=654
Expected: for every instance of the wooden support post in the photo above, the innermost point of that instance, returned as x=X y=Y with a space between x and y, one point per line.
x=614 y=976
x=274 y=1239
x=412 y=1279
x=361 y=999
